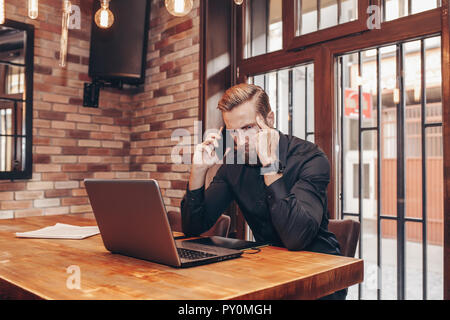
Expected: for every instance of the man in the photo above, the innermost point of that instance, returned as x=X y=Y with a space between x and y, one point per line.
x=279 y=182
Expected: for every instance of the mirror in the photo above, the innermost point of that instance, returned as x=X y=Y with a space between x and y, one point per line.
x=16 y=99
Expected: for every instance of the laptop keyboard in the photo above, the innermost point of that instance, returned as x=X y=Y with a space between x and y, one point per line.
x=193 y=254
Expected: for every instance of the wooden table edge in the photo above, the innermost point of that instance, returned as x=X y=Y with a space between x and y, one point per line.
x=259 y=295
x=11 y=289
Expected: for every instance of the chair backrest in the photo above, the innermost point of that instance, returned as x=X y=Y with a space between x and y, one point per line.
x=220 y=228
x=347 y=234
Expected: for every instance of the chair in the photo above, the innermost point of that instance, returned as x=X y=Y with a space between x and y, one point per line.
x=220 y=228
x=347 y=234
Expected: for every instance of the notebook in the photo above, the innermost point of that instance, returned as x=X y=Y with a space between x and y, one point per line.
x=61 y=231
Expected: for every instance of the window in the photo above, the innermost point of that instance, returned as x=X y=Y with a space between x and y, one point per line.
x=291 y=94
x=394 y=9
x=365 y=179
x=264 y=26
x=16 y=81
x=400 y=159
x=371 y=75
x=316 y=21
x=12 y=136
x=313 y=15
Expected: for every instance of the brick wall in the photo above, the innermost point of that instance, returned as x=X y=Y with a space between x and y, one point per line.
x=170 y=100
x=129 y=135
x=70 y=142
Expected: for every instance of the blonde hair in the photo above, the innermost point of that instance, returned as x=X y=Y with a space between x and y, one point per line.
x=242 y=93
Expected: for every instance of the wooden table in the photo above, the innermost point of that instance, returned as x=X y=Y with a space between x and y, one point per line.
x=38 y=269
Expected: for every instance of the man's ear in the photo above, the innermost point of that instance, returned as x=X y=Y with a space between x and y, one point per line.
x=270 y=119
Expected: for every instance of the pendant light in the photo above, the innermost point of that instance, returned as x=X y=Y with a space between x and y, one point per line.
x=104 y=18
x=2 y=11
x=178 y=8
x=33 y=9
x=67 y=8
x=238 y=2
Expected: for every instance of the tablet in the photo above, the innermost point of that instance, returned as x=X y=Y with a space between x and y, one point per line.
x=229 y=243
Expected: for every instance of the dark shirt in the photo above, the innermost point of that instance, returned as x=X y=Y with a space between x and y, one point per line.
x=291 y=212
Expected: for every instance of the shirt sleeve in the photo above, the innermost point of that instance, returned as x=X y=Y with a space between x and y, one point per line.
x=297 y=213
x=201 y=208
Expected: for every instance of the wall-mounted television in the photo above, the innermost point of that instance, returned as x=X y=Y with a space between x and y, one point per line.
x=118 y=54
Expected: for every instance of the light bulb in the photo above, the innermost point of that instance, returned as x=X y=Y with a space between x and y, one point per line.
x=2 y=11
x=238 y=2
x=104 y=18
x=33 y=8
x=67 y=8
x=178 y=8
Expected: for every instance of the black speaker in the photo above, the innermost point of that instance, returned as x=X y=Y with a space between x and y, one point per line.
x=118 y=54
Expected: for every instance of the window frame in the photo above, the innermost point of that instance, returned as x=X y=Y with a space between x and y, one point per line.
x=29 y=67
x=293 y=42
x=322 y=55
x=322 y=52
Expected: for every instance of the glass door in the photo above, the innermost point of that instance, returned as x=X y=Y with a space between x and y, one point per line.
x=390 y=166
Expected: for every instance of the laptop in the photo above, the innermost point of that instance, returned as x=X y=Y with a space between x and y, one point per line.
x=132 y=220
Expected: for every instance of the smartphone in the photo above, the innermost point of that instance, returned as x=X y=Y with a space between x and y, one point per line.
x=220 y=150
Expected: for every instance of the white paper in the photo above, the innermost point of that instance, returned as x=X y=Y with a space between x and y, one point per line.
x=61 y=231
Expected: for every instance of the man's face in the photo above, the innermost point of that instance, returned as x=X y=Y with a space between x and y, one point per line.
x=242 y=126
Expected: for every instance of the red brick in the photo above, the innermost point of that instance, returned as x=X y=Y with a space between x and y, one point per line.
x=177 y=184
x=122 y=122
x=74 y=167
x=80 y=175
x=77 y=101
x=41 y=158
x=164 y=168
x=42 y=69
x=57 y=193
x=74 y=201
x=166 y=66
x=54 y=176
x=99 y=152
x=70 y=57
x=74 y=150
x=40 y=140
x=51 y=115
x=15 y=204
x=99 y=167
x=112 y=113
x=79 y=192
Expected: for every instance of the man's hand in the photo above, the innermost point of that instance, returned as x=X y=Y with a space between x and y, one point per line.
x=205 y=157
x=267 y=141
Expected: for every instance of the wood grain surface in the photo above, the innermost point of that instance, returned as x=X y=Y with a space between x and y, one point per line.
x=37 y=269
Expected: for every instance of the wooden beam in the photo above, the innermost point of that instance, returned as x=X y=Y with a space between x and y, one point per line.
x=324 y=115
x=276 y=60
x=410 y=27
x=446 y=136
x=288 y=22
